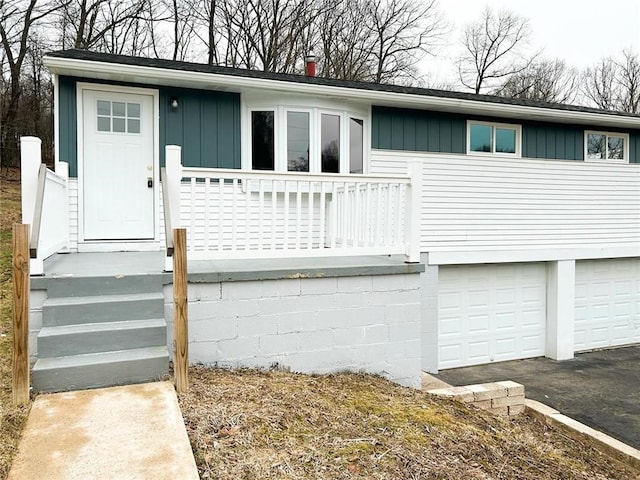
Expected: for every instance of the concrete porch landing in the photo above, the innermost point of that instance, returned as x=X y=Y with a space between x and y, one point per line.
x=132 y=432
x=120 y=264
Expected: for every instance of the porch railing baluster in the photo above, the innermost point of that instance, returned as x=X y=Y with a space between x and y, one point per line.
x=305 y=215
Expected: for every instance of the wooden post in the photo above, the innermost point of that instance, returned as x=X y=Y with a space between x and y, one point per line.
x=180 y=327
x=20 y=379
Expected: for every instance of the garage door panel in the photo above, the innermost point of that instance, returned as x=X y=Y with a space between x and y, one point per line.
x=505 y=347
x=450 y=353
x=478 y=350
x=495 y=307
x=534 y=294
x=505 y=321
x=607 y=312
x=478 y=325
x=505 y=297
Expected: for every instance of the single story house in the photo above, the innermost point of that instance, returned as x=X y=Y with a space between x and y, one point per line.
x=331 y=224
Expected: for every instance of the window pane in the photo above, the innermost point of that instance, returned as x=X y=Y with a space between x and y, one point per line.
x=330 y=143
x=133 y=126
x=133 y=110
x=505 y=140
x=615 y=148
x=118 y=125
x=118 y=109
x=480 y=138
x=596 y=147
x=356 y=145
x=298 y=141
x=104 y=124
x=104 y=107
x=262 y=144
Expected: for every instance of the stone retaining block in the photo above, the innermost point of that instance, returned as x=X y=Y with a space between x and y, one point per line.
x=505 y=399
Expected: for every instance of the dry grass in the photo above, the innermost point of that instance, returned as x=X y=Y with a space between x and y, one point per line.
x=11 y=419
x=267 y=425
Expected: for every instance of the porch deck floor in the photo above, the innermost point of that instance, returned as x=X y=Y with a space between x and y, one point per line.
x=152 y=263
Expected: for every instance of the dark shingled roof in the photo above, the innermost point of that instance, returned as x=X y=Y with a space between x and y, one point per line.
x=285 y=77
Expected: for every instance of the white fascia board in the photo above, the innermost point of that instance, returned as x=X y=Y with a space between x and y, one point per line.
x=472 y=256
x=168 y=77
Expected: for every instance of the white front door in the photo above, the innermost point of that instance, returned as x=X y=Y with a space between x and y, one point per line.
x=118 y=177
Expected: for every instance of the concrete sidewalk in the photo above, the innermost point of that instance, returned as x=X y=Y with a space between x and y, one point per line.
x=130 y=432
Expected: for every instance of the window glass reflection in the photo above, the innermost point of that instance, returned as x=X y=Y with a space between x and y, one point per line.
x=480 y=138
x=330 y=143
x=262 y=140
x=505 y=140
x=356 y=145
x=596 y=146
x=298 y=141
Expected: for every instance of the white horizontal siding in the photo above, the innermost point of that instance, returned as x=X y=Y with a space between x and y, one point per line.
x=484 y=204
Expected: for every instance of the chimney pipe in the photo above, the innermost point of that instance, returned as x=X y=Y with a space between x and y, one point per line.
x=310 y=61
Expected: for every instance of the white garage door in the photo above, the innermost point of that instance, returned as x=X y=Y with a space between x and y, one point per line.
x=490 y=313
x=607 y=303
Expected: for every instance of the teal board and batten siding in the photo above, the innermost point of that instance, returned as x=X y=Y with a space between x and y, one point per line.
x=417 y=130
x=206 y=124
x=436 y=132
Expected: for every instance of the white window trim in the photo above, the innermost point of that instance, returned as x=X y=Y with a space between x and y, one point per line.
x=280 y=135
x=510 y=126
x=625 y=137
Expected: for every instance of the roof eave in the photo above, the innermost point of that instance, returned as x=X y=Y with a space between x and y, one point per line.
x=169 y=77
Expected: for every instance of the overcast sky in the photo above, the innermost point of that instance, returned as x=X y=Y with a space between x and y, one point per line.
x=577 y=31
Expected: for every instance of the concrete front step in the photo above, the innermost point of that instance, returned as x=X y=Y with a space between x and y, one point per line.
x=102 y=308
x=106 y=285
x=95 y=370
x=84 y=338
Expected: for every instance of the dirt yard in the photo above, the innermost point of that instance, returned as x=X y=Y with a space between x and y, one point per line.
x=268 y=425
x=11 y=419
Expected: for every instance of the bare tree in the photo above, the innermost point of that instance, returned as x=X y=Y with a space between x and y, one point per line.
x=494 y=48
x=546 y=80
x=404 y=31
x=600 y=84
x=378 y=40
x=18 y=20
x=345 y=41
x=99 y=24
x=614 y=84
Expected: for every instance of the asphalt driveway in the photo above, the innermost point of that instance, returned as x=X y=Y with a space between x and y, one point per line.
x=600 y=389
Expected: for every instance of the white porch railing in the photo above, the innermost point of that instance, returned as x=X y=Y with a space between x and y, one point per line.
x=44 y=203
x=262 y=214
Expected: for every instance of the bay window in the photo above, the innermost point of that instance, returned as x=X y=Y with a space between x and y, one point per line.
x=315 y=140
